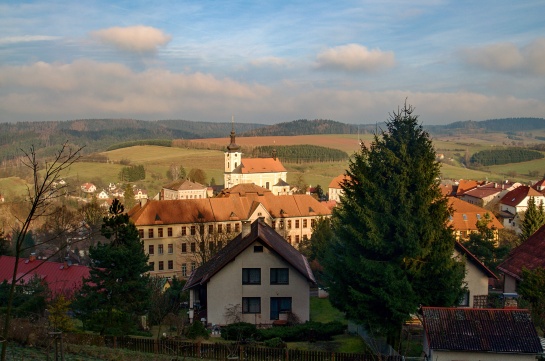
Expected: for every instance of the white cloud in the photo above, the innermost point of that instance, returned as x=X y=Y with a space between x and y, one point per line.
x=133 y=38
x=355 y=57
x=508 y=57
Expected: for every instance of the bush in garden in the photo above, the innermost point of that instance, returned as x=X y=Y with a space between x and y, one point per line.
x=239 y=331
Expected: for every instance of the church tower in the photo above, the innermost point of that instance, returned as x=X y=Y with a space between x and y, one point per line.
x=233 y=158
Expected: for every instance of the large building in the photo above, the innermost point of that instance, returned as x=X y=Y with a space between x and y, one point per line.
x=180 y=234
x=265 y=172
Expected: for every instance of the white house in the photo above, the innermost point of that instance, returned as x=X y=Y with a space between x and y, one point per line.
x=335 y=191
x=103 y=195
x=88 y=187
x=515 y=203
x=184 y=189
x=257 y=277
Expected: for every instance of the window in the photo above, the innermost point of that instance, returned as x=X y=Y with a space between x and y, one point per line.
x=305 y=223
x=312 y=222
x=169 y=231
x=160 y=249
x=184 y=230
x=289 y=224
x=251 y=276
x=296 y=223
x=152 y=266
x=464 y=302
x=237 y=227
x=273 y=224
x=150 y=233
x=184 y=270
x=150 y=249
x=267 y=185
x=251 y=304
x=161 y=265
x=193 y=265
x=171 y=264
x=258 y=249
x=297 y=238
x=279 y=304
x=201 y=229
x=280 y=276
x=193 y=247
x=220 y=228
x=210 y=228
x=141 y=233
x=160 y=232
x=228 y=228
x=184 y=247
x=193 y=230
x=170 y=248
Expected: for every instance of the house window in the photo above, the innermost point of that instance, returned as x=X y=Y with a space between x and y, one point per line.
x=464 y=302
x=258 y=249
x=184 y=231
x=220 y=228
x=280 y=276
x=150 y=233
x=171 y=264
x=170 y=248
x=267 y=185
x=210 y=228
x=237 y=227
x=184 y=247
x=150 y=249
x=251 y=276
x=297 y=238
x=160 y=232
x=289 y=224
x=201 y=229
x=152 y=266
x=193 y=230
x=296 y=223
x=184 y=270
x=141 y=233
x=161 y=265
x=279 y=304
x=251 y=304
x=305 y=223
x=228 y=228
x=169 y=231
x=312 y=222
x=160 y=249
x=193 y=266
x=193 y=247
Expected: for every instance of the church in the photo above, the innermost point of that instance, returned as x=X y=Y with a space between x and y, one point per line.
x=268 y=173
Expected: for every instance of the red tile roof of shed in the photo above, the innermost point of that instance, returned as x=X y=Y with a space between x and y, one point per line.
x=530 y=255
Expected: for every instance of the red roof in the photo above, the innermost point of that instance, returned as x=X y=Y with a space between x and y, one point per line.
x=60 y=278
x=530 y=255
x=337 y=181
x=517 y=195
x=465 y=185
x=261 y=165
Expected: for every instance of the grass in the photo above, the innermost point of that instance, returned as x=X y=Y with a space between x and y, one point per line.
x=321 y=310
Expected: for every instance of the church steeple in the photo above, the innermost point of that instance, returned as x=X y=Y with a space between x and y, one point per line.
x=233 y=145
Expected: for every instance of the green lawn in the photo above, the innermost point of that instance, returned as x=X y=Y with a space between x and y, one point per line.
x=321 y=310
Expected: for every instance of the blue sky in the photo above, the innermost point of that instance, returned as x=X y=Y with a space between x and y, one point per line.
x=271 y=61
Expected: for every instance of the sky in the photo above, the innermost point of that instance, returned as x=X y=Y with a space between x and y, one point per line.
x=354 y=61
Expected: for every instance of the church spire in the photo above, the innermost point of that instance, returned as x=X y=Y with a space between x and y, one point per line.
x=233 y=146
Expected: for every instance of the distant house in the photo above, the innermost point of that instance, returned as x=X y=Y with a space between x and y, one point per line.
x=335 y=191
x=88 y=187
x=530 y=255
x=488 y=195
x=258 y=273
x=61 y=278
x=471 y=334
x=464 y=185
x=514 y=204
x=184 y=189
x=140 y=194
x=465 y=217
x=103 y=195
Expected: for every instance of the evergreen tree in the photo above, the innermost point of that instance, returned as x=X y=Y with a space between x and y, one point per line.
x=392 y=248
x=116 y=291
x=128 y=196
x=532 y=289
x=534 y=218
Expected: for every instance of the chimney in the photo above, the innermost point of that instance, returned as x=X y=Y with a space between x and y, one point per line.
x=246 y=228
x=32 y=257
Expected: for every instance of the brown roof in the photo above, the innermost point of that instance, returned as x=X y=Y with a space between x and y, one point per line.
x=184 y=184
x=336 y=182
x=480 y=330
x=530 y=255
x=262 y=233
x=238 y=205
x=260 y=165
x=465 y=185
x=474 y=260
x=447 y=189
x=514 y=197
x=466 y=215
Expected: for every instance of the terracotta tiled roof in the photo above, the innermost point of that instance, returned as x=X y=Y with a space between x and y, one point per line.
x=465 y=185
x=447 y=189
x=260 y=165
x=530 y=255
x=60 y=279
x=474 y=260
x=221 y=208
x=184 y=184
x=517 y=195
x=259 y=232
x=480 y=330
x=488 y=189
x=336 y=182
x=466 y=215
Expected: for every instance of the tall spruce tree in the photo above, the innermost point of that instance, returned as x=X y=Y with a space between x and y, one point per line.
x=116 y=291
x=534 y=218
x=392 y=248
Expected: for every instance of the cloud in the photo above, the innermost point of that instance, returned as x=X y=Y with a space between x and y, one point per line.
x=507 y=57
x=26 y=39
x=355 y=57
x=133 y=38
x=268 y=62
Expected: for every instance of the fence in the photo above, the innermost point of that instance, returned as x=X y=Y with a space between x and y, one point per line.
x=219 y=351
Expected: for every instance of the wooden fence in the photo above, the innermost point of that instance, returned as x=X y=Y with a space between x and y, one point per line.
x=224 y=351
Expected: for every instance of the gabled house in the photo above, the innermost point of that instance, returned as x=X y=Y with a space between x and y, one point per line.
x=515 y=203
x=61 y=278
x=103 y=195
x=472 y=334
x=88 y=187
x=464 y=185
x=184 y=189
x=488 y=195
x=476 y=279
x=259 y=274
x=530 y=255
x=335 y=191
x=140 y=194
x=465 y=217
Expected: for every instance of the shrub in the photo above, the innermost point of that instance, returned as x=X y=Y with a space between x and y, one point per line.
x=196 y=330
x=275 y=342
x=309 y=331
x=238 y=331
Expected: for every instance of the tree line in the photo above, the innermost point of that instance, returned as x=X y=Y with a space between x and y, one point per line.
x=132 y=173
x=301 y=153
x=504 y=156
